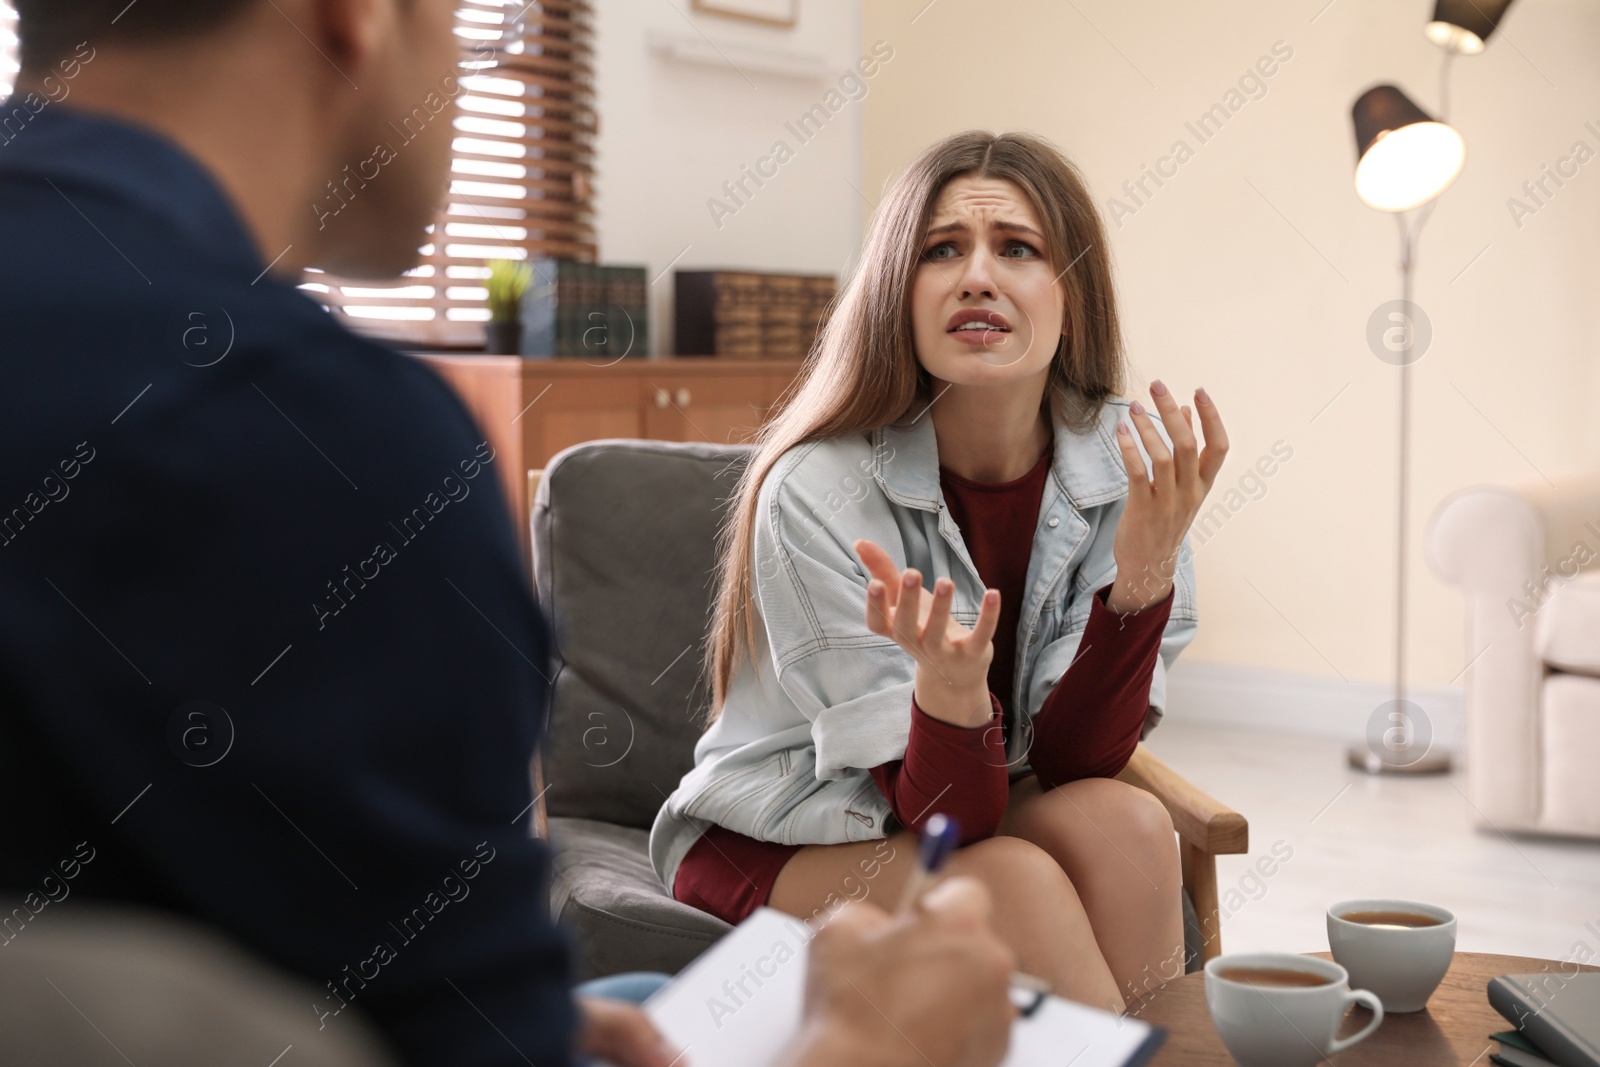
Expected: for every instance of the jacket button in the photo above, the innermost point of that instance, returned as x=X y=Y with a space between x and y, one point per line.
x=1054 y=522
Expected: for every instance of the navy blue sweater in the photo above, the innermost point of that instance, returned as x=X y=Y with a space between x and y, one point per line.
x=268 y=654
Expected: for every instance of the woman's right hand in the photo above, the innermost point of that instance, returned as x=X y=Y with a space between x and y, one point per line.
x=952 y=681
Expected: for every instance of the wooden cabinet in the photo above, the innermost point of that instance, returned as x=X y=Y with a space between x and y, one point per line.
x=721 y=409
x=530 y=409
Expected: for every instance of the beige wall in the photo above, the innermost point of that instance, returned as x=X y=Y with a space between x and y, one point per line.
x=1254 y=269
x=674 y=130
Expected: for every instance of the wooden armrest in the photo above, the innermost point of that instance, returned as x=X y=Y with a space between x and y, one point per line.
x=1201 y=821
x=541 y=825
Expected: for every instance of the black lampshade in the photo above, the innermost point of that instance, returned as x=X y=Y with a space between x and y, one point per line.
x=1464 y=26
x=1404 y=157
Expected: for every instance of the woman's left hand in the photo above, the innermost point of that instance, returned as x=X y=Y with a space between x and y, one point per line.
x=619 y=1032
x=1162 y=507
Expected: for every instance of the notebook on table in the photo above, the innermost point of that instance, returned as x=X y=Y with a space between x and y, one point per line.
x=1558 y=1013
x=738 y=1005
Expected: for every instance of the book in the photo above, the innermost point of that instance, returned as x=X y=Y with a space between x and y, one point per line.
x=1511 y=1056
x=1517 y=1040
x=544 y=306
x=597 y=312
x=749 y=314
x=1558 y=1013
x=627 y=318
x=739 y=1005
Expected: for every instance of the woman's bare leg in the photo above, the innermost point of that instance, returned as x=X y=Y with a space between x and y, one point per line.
x=1115 y=844
x=1036 y=910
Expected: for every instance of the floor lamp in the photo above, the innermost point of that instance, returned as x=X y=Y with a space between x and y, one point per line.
x=1405 y=159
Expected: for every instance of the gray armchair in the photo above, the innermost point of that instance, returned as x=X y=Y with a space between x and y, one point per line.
x=623 y=548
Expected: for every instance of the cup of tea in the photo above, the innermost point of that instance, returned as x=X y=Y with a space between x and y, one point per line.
x=1278 y=1009
x=1399 y=949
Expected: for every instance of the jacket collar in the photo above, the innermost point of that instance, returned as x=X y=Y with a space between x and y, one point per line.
x=1087 y=465
x=77 y=149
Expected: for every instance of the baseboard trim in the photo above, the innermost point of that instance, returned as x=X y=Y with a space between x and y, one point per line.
x=1259 y=698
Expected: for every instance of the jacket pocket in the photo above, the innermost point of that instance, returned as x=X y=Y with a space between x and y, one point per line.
x=866 y=813
x=798 y=776
x=736 y=787
x=833 y=812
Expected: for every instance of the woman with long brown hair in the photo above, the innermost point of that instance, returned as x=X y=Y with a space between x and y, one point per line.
x=958 y=425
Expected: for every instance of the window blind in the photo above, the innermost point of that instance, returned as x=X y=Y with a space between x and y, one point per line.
x=8 y=48
x=521 y=174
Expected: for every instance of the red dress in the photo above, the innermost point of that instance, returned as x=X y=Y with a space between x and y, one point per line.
x=1088 y=727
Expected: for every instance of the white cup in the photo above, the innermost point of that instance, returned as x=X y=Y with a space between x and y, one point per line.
x=1283 y=1025
x=1402 y=964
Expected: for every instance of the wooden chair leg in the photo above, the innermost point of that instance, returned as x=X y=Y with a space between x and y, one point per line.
x=1200 y=879
x=540 y=827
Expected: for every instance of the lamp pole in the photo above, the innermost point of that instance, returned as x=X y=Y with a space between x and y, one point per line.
x=1402 y=755
x=1396 y=750
x=1398 y=175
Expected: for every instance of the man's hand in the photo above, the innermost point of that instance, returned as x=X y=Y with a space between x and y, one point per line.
x=928 y=988
x=618 y=1032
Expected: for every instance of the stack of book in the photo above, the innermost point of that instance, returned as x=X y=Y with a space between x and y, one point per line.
x=1557 y=1016
x=595 y=311
x=748 y=314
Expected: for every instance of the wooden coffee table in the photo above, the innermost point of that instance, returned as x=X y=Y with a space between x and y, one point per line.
x=1452 y=1030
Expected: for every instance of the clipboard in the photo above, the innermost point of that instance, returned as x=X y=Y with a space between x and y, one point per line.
x=739 y=1004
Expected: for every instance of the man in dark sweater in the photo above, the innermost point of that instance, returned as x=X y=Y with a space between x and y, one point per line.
x=269 y=660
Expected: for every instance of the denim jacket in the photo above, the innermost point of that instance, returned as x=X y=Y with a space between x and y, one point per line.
x=788 y=759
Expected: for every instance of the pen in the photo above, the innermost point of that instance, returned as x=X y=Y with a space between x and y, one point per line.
x=934 y=846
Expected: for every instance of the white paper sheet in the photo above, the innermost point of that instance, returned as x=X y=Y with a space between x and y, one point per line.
x=739 y=1006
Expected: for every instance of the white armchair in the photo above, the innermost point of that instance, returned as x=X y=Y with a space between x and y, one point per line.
x=1527 y=559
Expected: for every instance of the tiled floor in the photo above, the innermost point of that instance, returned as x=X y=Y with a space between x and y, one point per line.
x=1355 y=835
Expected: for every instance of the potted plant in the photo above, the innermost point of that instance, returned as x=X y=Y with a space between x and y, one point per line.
x=508 y=280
